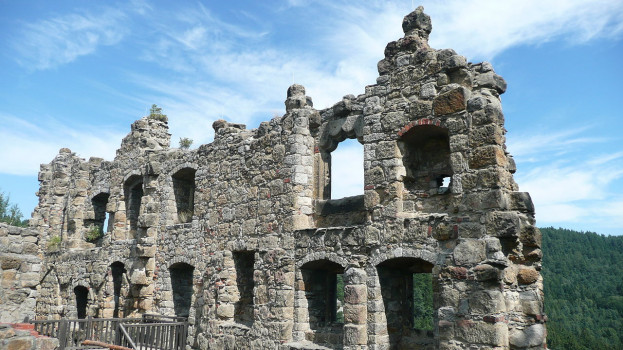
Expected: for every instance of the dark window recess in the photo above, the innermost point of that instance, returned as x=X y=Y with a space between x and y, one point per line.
x=117 y=269
x=324 y=289
x=133 y=192
x=407 y=292
x=99 y=203
x=184 y=191
x=82 y=297
x=426 y=158
x=182 y=285
x=243 y=308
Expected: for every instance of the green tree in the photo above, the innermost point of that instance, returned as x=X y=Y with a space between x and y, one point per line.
x=583 y=280
x=185 y=142
x=10 y=213
x=156 y=113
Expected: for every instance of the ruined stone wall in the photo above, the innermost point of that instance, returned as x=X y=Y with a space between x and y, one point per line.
x=22 y=336
x=19 y=273
x=242 y=237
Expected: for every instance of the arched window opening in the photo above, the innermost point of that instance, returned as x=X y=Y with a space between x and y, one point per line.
x=324 y=291
x=184 y=191
x=82 y=297
x=118 y=270
x=243 y=308
x=407 y=292
x=346 y=172
x=182 y=286
x=426 y=158
x=133 y=192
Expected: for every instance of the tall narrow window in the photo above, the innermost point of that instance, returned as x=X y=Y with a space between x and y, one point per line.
x=243 y=308
x=118 y=270
x=133 y=191
x=182 y=285
x=82 y=297
x=184 y=191
x=99 y=203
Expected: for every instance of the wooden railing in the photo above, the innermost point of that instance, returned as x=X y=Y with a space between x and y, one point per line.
x=150 y=332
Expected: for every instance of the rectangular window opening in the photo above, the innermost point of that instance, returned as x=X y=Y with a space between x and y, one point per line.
x=347 y=169
x=244 y=262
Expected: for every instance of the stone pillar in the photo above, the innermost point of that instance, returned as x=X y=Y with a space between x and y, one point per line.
x=378 y=338
x=355 y=308
x=300 y=157
x=281 y=296
x=301 y=313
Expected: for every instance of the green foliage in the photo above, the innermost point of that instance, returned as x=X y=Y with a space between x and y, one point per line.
x=10 y=213
x=93 y=233
x=583 y=276
x=185 y=142
x=54 y=243
x=423 y=301
x=156 y=113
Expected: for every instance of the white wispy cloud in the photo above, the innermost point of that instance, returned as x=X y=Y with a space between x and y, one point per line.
x=536 y=146
x=26 y=145
x=581 y=189
x=60 y=40
x=482 y=29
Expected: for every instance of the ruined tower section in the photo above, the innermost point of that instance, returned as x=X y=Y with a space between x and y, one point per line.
x=439 y=180
x=439 y=210
x=87 y=237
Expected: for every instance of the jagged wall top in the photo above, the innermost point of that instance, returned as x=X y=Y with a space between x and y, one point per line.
x=146 y=134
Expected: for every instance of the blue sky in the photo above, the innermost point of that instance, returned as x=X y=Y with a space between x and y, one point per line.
x=76 y=74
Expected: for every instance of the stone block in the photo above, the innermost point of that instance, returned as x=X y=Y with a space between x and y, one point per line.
x=492 y=155
x=483 y=333
x=450 y=102
x=146 y=251
x=8 y=279
x=355 y=334
x=19 y=343
x=469 y=251
x=503 y=224
x=355 y=294
x=356 y=314
x=529 y=337
x=225 y=311
x=486 y=272
x=29 y=279
x=491 y=80
x=6 y=332
x=45 y=343
x=9 y=263
x=527 y=275
x=487 y=302
x=139 y=277
x=531 y=307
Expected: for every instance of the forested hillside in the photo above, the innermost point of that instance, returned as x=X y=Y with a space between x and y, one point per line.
x=583 y=274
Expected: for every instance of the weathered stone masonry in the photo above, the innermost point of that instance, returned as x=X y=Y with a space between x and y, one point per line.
x=242 y=237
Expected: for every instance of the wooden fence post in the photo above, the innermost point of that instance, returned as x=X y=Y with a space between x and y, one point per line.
x=62 y=334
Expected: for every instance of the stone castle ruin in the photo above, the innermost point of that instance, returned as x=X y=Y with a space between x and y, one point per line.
x=242 y=237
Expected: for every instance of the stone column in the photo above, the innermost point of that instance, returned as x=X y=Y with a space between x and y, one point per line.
x=355 y=308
